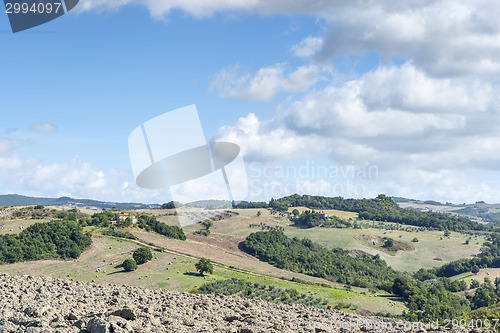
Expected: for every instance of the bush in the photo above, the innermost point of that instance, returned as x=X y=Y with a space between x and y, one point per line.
x=204 y=265
x=142 y=255
x=50 y=240
x=129 y=265
x=147 y=222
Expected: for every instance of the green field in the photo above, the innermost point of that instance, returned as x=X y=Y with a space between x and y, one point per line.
x=429 y=251
x=13 y=226
x=428 y=248
x=330 y=212
x=175 y=270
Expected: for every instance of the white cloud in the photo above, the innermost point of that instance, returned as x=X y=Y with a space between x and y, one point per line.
x=45 y=128
x=425 y=124
x=205 y=8
x=77 y=179
x=267 y=82
x=457 y=38
x=268 y=141
x=308 y=47
x=393 y=118
x=6 y=145
x=444 y=37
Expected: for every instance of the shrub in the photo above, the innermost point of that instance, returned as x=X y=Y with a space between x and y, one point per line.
x=204 y=265
x=129 y=265
x=142 y=255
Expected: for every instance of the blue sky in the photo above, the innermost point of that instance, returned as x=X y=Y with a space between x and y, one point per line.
x=389 y=98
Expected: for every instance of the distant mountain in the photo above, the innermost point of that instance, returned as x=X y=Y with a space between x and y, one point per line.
x=479 y=211
x=216 y=204
x=21 y=200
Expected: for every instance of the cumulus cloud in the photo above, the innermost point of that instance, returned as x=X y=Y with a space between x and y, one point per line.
x=6 y=145
x=76 y=178
x=268 y=140
x=426 y=124
x=204 y=8
x=45 y=128
x=308 y=47
x=267 y=82
x=392 y=117
x=445 y=38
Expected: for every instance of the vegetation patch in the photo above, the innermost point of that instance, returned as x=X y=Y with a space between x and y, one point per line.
x=311 y=219
x=305 y=256
x=381 y=208
x=50 y=240
x=118 y=233
x=424 y=293
x=254 y=290
x=149 y=223
x=384 y=244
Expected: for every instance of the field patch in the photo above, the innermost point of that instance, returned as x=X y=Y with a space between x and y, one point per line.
x=383 y=243
x=330 y=212
x=431 y=250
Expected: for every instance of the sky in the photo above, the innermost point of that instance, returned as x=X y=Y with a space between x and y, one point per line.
x=337 y=98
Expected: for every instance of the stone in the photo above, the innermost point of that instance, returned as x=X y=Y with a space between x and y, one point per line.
x=125 y=314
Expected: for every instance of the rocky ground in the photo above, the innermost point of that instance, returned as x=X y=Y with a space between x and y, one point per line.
x=39 y=304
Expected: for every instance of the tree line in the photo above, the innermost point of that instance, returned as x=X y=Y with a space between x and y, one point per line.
x=381 y=208
x=431 y=298
x=311 y=219
x=144 y=221
x=148 y=222
x=247 y=289
x=50 y=240
x=307 y=257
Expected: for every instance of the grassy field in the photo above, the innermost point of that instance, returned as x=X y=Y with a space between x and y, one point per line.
x=8 y=226
x=429 y=251
x=426 y=253
x=330 y=212
x=491 y=273
x=177 y=272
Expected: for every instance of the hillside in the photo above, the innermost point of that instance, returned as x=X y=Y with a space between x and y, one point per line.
x=358 y=246
x=21 y=200
x=479 y=211
x=36 y=304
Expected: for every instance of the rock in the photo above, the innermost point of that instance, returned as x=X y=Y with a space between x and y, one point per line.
x=80 y=324
x=231 y=318
x=38 y=304
x=71 y=316
x=97 y=325
x=188 y=322
x=125 y=314
x=8 y=327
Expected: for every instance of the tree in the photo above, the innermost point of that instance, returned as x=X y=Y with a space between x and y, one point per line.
x=474 y=284
x=447 y=233
x=415 y=240
x=129 y=265
x=204 y=265
x=142 y=255
x=475 y=269
x=389 y=242
x=258 y=213
x=295 y=212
